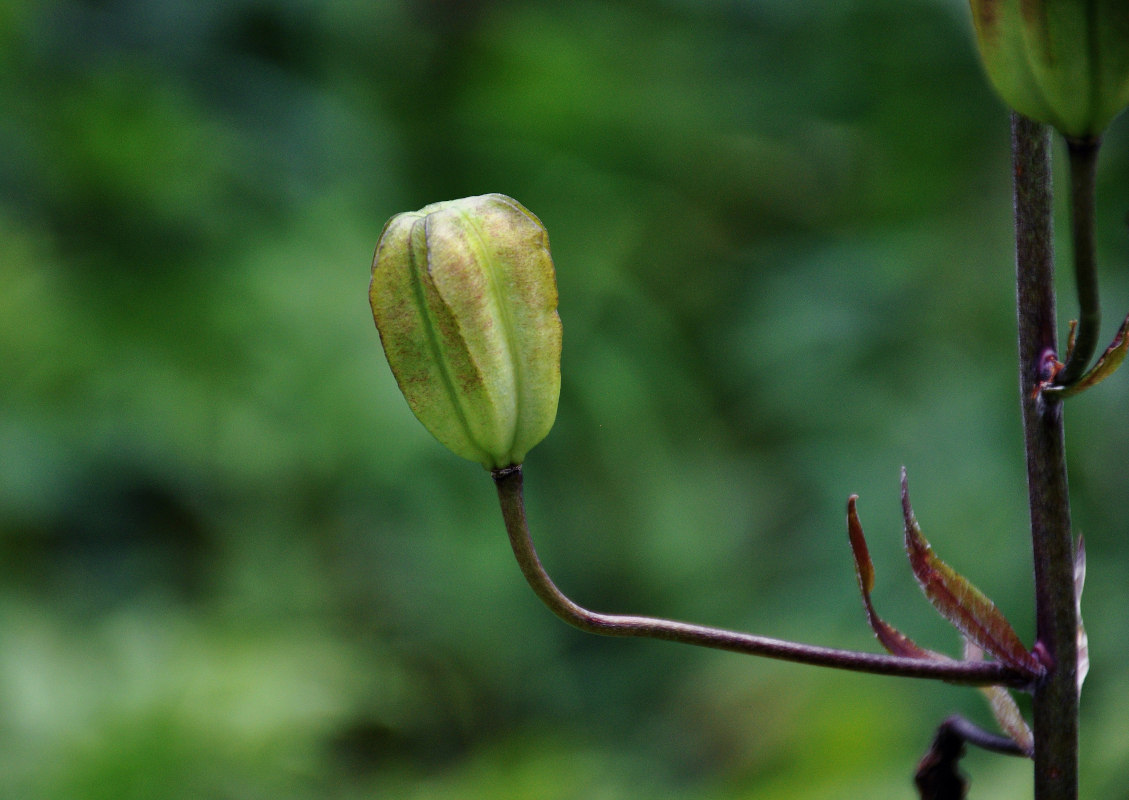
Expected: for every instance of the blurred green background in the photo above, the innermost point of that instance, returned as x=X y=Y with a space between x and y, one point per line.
x=233 y=565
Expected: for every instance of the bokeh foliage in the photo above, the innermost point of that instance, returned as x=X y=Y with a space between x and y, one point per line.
x=232 y=565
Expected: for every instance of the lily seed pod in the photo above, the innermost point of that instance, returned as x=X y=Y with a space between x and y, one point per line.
x=1063 y=62
x=464 y=296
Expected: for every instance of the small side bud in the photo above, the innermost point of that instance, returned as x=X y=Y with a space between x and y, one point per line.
x=1063 y=62
x=464 y=296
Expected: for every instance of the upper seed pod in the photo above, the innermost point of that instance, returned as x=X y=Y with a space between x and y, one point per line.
x=465 y=298
x=1063 y=62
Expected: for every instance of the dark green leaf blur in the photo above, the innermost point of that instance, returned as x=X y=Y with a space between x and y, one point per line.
x=234 y=566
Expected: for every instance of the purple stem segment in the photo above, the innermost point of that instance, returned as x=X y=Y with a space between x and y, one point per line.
x=1056 y=615
x=509 y=482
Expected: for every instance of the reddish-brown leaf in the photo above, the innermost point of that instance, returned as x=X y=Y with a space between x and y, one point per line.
x=890 y=638
x=961 y=603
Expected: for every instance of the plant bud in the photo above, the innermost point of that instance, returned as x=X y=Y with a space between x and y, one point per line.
x=465 y=299
x=1063 y=62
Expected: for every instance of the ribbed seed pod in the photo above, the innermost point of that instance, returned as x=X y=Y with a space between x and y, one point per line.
x=464 y=296
x=1063 y=62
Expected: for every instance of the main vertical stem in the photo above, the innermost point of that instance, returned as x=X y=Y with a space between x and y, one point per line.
x=1056 y=696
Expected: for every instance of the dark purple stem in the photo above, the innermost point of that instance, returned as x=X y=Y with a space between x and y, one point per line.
x=510 y=493
x=938 y=775
x=1056 y=694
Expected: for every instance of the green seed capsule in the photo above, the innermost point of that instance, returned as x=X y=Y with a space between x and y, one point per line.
x=464 y=296
x=1063 y=62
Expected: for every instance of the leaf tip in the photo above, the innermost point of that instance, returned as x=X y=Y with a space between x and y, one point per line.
x=864 y=569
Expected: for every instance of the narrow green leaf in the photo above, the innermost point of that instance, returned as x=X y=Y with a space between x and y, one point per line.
x=1003 y=705
x=1105 y=366
x=1071 y=338
x=892 y=639
x=961 y=603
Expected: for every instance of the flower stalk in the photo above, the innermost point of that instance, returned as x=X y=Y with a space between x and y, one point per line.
x=1083 y=189
x=509 y=483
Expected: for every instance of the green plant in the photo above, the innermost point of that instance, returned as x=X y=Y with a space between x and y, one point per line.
x=479 y=364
